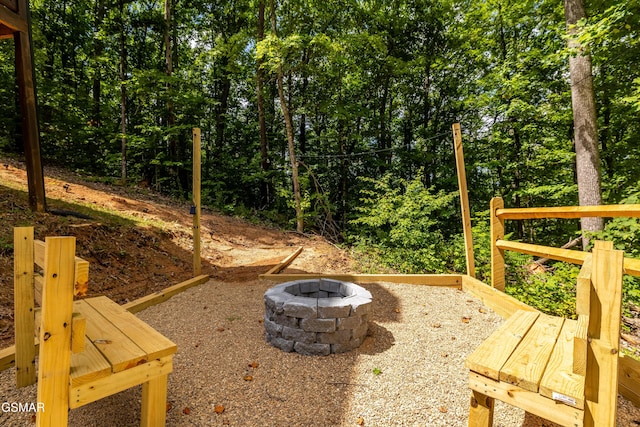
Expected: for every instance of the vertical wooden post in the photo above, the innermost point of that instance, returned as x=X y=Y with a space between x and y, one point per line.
x=55 y=331
x=197 y=267
x=480 y=410
x=23 y=306
x=154 y=402
x=464 y=200
x=601 y=379
x=497 y=255
x=28 y=111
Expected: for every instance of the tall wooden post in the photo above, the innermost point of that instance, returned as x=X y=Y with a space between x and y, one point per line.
x=464 y=200
x=197 y=267
x=15 y=22
x=497 y=254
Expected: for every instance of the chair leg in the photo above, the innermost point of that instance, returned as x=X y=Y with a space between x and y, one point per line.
x=154 y=402
x=480 y=410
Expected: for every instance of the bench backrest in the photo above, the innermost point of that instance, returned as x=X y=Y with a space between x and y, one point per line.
x=49 y=273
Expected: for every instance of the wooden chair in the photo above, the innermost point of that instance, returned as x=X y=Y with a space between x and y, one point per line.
x=563 y=370
x=88 y=349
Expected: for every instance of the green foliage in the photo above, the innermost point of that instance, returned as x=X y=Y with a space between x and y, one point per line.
x=403 y=220
x=551 y=292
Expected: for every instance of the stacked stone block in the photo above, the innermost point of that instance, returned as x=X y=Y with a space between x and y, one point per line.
x=316 y=317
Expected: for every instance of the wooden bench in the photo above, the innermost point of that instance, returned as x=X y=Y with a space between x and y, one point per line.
x=88 y=349
x=562 y=370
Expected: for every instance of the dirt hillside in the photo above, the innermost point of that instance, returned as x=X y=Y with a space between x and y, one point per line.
x=138 y=242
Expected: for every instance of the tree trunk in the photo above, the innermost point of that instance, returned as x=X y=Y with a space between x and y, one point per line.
x=123 y=97
x=265 y=189
x=584 y=120
x=289 y=127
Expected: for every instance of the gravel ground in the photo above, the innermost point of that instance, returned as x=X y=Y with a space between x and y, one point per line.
x=409 y=371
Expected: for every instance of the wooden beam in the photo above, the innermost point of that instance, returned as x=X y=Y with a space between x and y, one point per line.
x=285 y=262
x=567 y=212
x=23 y=306
x=447 y=280
x=163 y=295
x=197 y=159
x=464 y=200
x=11 y=4
x=504 y=305
x=12 y=20
x=29 y=113
x=566 y=255
x=497 y=254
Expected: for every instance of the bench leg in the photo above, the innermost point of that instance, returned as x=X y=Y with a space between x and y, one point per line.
x=154 y=402
x=480 y=410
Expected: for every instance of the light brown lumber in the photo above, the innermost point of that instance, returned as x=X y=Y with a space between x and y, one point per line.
x=601 y=385
x=503 y=304
x=529 y=401
x=629 y=379
x=197 y=159
x=528 y=362
x=55 y=335
x=580 y=345
x=285 y=262
x=153 y=343
x=107 y=386
x=568 y=212
x=81 y=269
x=88 y=366
x=480 y=410
x=559 y=381
x=464 y=200
x=120 y=351
x=446 y=280
x=566 y=255
x=497 y=254
x=163 y=295
x=489 y=357
x=25 y=358
x=154 y=402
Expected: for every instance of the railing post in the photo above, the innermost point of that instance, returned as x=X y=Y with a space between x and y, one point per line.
x=23 y=303
x=497 y=255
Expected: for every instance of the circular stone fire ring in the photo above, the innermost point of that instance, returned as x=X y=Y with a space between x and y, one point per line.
x=316 y=317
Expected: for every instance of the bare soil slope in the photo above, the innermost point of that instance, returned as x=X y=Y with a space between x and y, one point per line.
x=147 y=245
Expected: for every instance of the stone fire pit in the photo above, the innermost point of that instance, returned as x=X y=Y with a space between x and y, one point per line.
x=316 y=317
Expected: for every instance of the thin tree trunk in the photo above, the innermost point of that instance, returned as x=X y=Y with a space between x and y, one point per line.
x=584 y=120
x=264 y=152
x=289 y=127
x=123 y=97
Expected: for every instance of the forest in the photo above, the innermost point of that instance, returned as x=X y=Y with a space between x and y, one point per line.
x=334 y=117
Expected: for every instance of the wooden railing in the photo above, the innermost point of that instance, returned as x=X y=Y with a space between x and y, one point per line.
x=499 y=214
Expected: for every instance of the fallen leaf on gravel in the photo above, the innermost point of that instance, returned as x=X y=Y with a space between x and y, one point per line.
x=444 y=355
x=186 y=410
x=360 y=421
x=397 y=310
x=218 y=409
x=466 y=319
x=482 y=310
x=169 y=406
x=220 y=329
x=254 y=365
x=248 y=378
x=443 y=409
x=436 y=325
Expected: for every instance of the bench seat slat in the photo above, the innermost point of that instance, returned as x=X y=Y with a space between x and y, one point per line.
x=559 y=382
x=528 y=362
x=492 y=354
x=154 y=344
x=89 y=365
x=120 y=351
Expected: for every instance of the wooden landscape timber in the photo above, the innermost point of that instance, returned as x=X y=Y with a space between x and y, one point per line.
x=285 y=262
x=464 y=200
x=445 y=280
x=570 y=212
